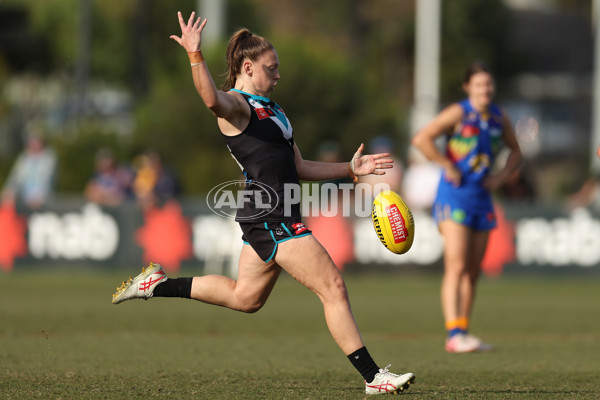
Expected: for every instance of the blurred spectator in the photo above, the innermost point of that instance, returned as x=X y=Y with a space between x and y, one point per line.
x=393 y=177
x=420 y=182
x=31 y=180
x=111 y=184
x=153 y=184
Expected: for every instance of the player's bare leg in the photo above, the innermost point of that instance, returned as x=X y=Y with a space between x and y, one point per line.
x=478 y=244
x=476 y=250
x=248 y=293
x=455 y=250
x=308 y=262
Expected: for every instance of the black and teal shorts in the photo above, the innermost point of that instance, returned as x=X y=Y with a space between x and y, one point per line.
x=264 y=237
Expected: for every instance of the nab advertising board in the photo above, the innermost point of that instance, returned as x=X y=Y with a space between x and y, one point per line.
x=73 y=234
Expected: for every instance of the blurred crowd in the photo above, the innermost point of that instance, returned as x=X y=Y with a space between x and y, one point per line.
x=31 y=179
x=145 y=180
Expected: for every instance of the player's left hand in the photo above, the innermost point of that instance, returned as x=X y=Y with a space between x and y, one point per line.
x=370 y=163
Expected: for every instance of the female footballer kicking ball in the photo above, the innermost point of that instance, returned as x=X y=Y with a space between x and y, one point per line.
x=474 y=130
x=259 y=136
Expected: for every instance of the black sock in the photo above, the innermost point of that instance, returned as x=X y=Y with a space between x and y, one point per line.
x=178 y=287
x=362 y=361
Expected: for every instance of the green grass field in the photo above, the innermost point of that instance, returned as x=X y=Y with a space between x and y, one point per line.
x=63 y=339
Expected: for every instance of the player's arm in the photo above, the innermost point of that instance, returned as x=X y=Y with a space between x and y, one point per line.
x=224 y=105
x=424 y=139
x=359 y=165
x=513 y=161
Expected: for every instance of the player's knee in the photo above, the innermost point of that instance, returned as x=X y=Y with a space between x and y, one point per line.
x=473 y=275
x=250 y=306
x=338 y=290
x=455 y=270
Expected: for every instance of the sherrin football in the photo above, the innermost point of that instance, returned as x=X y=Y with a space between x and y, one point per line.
x=393 y=222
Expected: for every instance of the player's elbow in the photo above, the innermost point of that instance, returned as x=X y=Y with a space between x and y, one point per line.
x=417 y=141
x=518 y=153
x=302 y=174
x=211 y=100
x=217 y=109
x=212 y=105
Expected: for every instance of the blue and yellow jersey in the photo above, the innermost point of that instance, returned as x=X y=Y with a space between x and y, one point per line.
x=472 y=148
x=475 y=143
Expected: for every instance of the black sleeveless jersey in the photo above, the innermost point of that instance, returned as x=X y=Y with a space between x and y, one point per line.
x=265 y=153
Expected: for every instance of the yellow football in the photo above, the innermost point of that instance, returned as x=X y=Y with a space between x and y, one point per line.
x=393 y=222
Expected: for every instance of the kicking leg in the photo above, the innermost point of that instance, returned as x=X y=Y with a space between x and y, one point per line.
x=309 y=263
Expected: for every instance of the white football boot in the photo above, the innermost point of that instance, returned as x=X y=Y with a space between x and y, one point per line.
x=142 y=286
x=462 y=343
x=386 y=382
x=483 y=347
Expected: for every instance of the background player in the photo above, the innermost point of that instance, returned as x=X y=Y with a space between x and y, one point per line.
x=474 y=130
